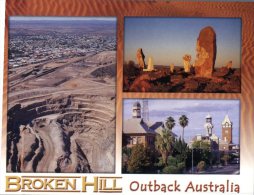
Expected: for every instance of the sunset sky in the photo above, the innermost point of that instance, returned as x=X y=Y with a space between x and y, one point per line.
x=195 y=110
x=167 y=40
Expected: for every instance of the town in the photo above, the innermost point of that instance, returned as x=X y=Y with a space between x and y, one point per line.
x=25 y=49
x=154 y=147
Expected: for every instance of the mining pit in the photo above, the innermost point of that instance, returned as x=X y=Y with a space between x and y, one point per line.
x=61 y=116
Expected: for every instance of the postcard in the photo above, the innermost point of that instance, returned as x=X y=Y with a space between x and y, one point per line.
x=126 y=97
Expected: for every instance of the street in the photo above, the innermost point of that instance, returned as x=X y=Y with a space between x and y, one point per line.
x=229 y=169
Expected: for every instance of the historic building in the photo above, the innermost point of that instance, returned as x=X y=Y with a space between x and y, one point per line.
x=138 y=129
x=222 y=144
x=227 y=127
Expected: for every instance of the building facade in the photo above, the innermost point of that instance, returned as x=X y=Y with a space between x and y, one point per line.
x=137 y=130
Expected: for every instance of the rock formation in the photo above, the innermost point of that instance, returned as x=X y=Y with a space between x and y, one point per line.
x=150 y=66
x=229 y=64
x=206 y=52
x=141 y=58
x=186 y=62
x=172 y=67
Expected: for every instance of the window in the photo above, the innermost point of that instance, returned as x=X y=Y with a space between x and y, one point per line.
x=134 y=140
x=139 y=141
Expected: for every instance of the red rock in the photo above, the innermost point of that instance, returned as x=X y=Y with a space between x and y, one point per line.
x=141 y=84
x=141 y=58
x=221 y=72
x=190 y=86
x=237 y=72
x=206 y=52
x=176 y=78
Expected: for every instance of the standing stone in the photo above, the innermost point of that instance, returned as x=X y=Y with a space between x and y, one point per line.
x=186 y=62
x=206 y=52
x=172 y=67
x=150 y=66
x=140 y=58
x=229 y=64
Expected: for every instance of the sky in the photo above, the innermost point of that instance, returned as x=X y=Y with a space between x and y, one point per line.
x=167 y=40
x=195 y=110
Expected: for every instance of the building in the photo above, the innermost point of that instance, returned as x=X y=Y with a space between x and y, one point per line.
x=227 y=127
x=208 y=125
x=222 y=144
x=136 y=130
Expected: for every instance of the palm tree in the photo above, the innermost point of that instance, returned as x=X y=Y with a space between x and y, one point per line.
x=170 y=123
x=164 y=144
x=183 y=121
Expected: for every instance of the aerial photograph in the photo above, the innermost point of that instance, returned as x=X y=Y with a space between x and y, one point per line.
x=61 y=94
x=185 y=55
x=172 y=136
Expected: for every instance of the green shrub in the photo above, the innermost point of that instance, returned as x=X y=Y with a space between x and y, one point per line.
x=170 y=169
x=181 y=167
x=172 y=161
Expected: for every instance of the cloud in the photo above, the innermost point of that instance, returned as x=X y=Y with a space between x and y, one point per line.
x=189 y=106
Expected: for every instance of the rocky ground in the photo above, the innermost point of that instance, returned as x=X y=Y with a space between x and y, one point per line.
x=61 y=116
x=224 y=80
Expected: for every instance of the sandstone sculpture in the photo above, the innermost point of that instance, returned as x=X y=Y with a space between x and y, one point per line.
x=206 y=52
x=186 y=62
x=150 y=66
x=229 y=64
x=172 y=67
x=141 y=58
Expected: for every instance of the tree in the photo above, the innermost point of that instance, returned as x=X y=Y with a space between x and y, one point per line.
x=170 y=123
x=183 y=121
x=174 y=166
x=181 y=150
x=202 y=151
x=163 y=143
x=139 y=161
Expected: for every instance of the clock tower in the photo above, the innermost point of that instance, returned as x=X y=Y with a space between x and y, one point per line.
x=227 y=127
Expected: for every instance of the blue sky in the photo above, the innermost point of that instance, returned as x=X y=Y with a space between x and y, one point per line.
x=168 y=39
x=195 y=110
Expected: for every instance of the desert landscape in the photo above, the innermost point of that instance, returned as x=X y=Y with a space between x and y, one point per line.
x=213 y=67
x=61 y=103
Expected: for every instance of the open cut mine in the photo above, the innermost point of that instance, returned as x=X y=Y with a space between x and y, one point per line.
x=61 y=112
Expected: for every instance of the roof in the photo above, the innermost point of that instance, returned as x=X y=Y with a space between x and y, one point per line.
x=226 y=120
x=208 y=116
x=136 y=104
x=138 y=125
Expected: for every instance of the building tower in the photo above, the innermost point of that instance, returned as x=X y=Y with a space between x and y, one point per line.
x=136 y=110
x=145 y=110
x=227 y=127
x=208 y=125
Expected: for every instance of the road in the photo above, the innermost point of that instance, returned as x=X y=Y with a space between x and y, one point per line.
x=230 y=169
